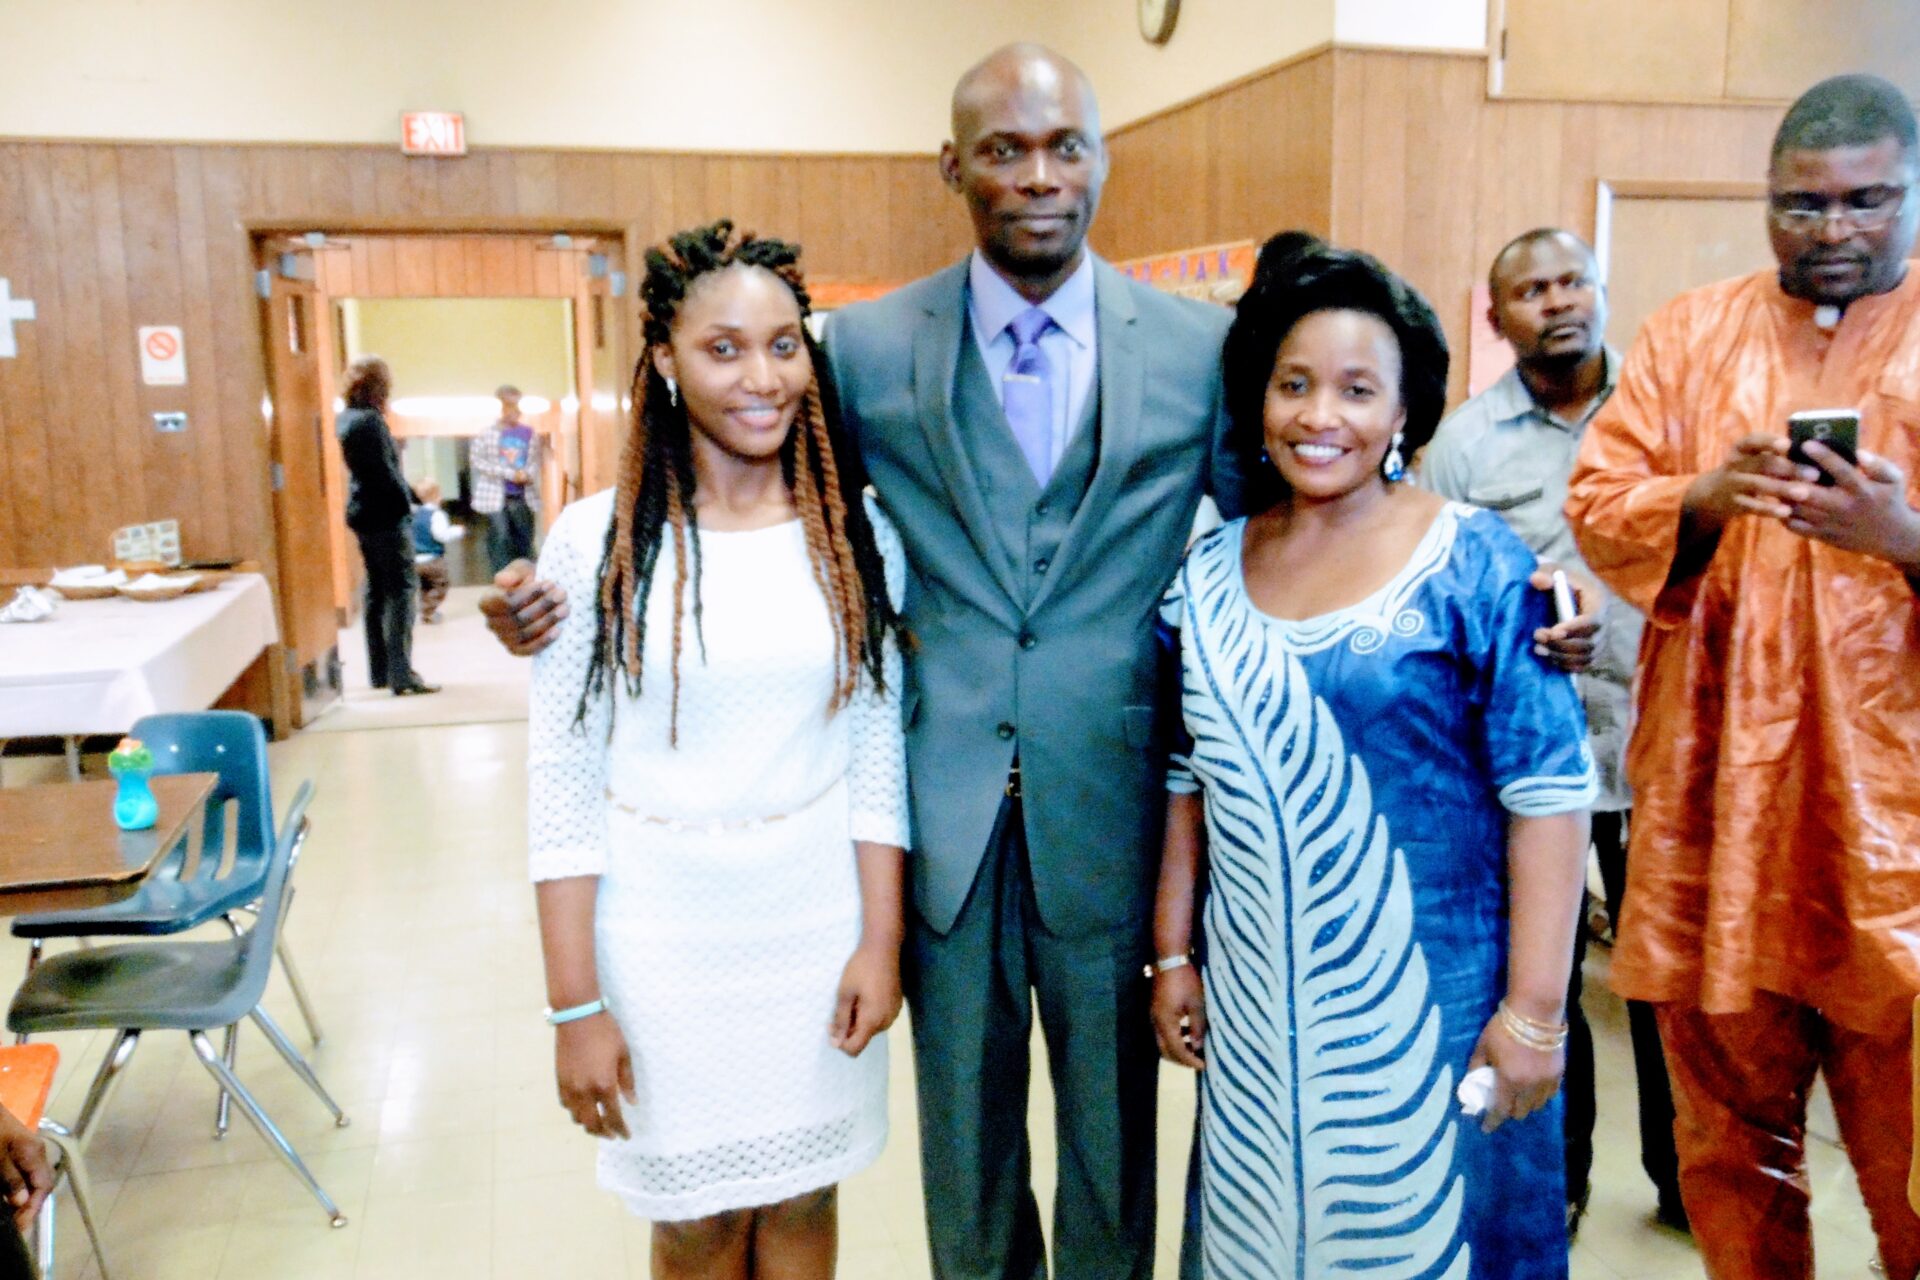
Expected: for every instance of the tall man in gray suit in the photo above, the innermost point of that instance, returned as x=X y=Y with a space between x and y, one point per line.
x=1040 y=429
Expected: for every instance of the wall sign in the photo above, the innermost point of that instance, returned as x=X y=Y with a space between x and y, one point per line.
x=163 y=356
x=11 y=309
x=433 y=133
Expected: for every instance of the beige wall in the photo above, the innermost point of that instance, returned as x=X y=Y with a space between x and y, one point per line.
x=760 y=76
x=466 y=346
x=1214 y=42
x=755 y=75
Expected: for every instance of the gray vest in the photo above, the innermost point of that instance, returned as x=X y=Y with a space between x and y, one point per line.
x=1028 y=524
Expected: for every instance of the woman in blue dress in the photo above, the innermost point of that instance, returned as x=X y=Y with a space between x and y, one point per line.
x=1385 y=800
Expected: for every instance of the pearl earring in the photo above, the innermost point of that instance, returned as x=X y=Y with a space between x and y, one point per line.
x=673 y=392
x=1395 y=467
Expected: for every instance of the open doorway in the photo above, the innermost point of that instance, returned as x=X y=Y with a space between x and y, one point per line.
x=456 y=316
x=449 y=356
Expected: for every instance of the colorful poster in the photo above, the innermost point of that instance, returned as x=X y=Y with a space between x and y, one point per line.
x=1216 y=273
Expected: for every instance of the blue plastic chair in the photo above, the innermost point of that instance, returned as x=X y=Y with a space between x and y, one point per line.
x=182 y=986
x=232 y=744
x=176 y=897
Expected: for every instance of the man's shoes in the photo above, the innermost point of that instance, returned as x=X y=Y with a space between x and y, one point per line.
x=414 y=686
x=1672 y=1214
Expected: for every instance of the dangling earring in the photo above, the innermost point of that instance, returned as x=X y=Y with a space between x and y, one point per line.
x=673 y=393
x=1395 y=467
x=1265 y=460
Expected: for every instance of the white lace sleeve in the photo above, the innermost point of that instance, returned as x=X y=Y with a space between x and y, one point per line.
x=877 y=763
x=567 y=762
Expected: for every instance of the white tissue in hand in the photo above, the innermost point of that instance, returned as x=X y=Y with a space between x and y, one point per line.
x=1476 y=1091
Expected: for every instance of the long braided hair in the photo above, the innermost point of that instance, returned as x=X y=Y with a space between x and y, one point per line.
x=654 y=490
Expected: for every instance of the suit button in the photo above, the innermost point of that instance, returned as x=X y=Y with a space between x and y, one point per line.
x=1005 y=730
x=1041 y=507
x=1027 y=640
x=1040 y=566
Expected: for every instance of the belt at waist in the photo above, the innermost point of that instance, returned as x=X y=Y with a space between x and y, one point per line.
x=724 y=824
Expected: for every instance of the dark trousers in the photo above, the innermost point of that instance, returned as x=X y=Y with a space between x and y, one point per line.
x=390 y=587
x=973 y=990
x=510 y=534
x=1650 y=1067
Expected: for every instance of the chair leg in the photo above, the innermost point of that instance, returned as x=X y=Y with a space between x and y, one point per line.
x=43 y=1237
x=230 y=1054
x=301 y=1067
x=74 y=1169
x=203 y=1049
x=117 y=1056
x=34 y=949
x=299 y=988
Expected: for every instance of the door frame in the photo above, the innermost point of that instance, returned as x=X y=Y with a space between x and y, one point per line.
x=623 y=245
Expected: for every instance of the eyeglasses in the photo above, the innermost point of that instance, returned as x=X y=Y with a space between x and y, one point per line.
x=1867 y=209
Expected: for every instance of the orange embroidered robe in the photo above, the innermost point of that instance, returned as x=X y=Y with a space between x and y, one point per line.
x=1775 y=757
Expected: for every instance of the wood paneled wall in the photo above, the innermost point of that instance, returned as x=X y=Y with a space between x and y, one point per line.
x=105 y=237
x=1700 y=50
x=1404 y=155
x=1250 y=159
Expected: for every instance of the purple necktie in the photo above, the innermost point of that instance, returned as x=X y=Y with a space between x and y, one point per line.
x=1026 y=392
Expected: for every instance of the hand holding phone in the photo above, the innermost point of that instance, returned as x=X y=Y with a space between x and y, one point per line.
x=1838 y=429
x=1564 y=608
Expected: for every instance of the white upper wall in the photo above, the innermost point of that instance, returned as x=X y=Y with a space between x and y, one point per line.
x=753 y=75
x=1412 y=24
x=1213 y=42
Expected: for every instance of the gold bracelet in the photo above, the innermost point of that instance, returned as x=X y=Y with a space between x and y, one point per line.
x=1541 y=1037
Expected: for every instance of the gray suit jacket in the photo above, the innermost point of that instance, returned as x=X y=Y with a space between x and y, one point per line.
x=1066 y=675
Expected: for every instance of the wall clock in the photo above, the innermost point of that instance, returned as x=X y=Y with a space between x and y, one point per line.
x=1157 y=18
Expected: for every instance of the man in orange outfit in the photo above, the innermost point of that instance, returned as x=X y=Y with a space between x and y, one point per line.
x=1773 y=913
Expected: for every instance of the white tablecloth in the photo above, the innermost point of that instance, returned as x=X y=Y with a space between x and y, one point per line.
x=96 y=666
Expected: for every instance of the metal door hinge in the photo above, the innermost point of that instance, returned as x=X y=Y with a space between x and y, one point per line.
x=263 y=283
x=279 y=477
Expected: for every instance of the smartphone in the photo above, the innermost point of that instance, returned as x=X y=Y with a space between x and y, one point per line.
x=1564 y=609
x=1838 y=429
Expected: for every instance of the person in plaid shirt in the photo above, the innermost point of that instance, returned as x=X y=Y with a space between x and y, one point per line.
x=506 y=482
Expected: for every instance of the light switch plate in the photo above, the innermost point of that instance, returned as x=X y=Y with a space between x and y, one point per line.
x=169 y=422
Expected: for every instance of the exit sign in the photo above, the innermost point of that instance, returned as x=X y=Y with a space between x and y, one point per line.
x=433 y=133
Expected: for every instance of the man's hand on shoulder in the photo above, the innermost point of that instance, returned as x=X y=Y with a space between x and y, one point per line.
x=523 y=612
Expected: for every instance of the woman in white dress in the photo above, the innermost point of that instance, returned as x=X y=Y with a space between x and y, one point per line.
x=717 y=800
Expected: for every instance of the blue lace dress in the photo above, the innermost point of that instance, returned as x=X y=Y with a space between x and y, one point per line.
x=1358 y=770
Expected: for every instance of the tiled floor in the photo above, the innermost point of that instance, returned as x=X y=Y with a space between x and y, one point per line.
x=415 y=929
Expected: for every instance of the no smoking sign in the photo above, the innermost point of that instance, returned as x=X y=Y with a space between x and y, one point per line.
x=163 y=356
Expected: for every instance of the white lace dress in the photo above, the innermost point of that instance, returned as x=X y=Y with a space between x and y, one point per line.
x=729 y=901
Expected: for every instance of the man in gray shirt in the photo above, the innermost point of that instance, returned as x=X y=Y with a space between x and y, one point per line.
x=1510 y=449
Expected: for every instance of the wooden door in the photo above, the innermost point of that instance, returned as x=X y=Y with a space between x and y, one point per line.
x=292 y=315
x=1663 y=240
x=601 y=376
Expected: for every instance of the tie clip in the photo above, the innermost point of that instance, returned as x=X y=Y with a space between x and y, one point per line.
x=1010 y=376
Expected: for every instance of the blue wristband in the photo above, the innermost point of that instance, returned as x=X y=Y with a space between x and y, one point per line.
x=555 y=1017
